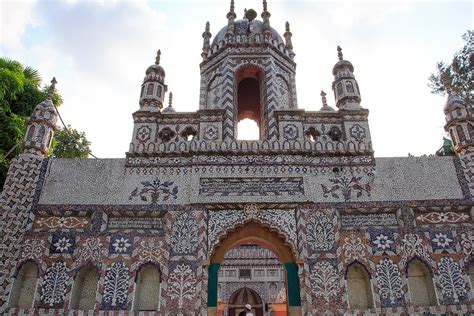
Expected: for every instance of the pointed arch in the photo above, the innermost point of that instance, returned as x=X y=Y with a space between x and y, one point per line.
x=420 y=283
x=147 y=288
x=359 y=287
x=24 y=286
x=84 y=289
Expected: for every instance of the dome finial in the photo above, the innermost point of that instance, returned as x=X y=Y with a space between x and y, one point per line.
x=157 y=59
x=231 y=14
x=51 y=89
x=287 y=26
x=208 y=26
x=264 y=5
x=170 y=100
x=339 y=52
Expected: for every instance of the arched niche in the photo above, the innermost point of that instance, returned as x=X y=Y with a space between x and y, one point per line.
x=243 y=296
x=85 y=288
x=256 y=233
x=147 y=289
x=249 y=82
x=359 y=288
x=24 y=287
x=420 y=283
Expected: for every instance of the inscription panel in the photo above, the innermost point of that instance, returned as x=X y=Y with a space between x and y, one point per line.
x=148 y=223
x=289 y=186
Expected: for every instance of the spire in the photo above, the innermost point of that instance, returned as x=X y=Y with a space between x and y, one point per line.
x=170 y=100
x=157 y=59
x=206 y=45
x=51 y=89
x=266 y=18
x=339 y=52
x=325 y=106
x=287 y=35
x=231 y=18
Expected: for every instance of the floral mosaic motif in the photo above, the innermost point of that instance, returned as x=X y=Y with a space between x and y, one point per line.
x=120 y=244
x=116 y=287
x=54 y=284
x=143 y=133
x=383 y=241
x=181 y=284
x=219 y=222
x=441 y=240
x=155 y=191
x=184 y=234
x=390 y=283
x=466 y=246
x=357 y=132
x=51 y=222
x=33 y=248
x=320 y=235
x=149 y=250
x=354 y=248
x=211 y=132
x=63 y=244
x=290 y=131
x=442 y=218
x=324 y=281
x=411 y=246
x=91 y=249
x=346 y=187
x=452 y=281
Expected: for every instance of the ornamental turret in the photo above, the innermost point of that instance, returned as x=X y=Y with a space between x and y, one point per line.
x=41 y=125
x=459 y=124
x=266 y=19
x=206 y=37
x=231 y=16
x=287 y=35
x=153 y=88
x=346 y=89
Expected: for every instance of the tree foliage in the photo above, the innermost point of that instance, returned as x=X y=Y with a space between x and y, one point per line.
x=458 y=77
x=70 y=143
x=20 y=92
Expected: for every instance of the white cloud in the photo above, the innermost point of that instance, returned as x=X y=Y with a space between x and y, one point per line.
x=15 y=16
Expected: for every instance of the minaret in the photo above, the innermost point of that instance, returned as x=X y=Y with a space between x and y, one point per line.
x=206 y=45
x=266 y=18
x=41 y=126
x=169 y=109
x=346 y=89
x=287 y=35
x=459 y=124
x=153 y=88
x=231 y=16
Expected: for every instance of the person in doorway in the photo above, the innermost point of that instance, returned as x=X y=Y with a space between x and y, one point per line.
x=247 y=310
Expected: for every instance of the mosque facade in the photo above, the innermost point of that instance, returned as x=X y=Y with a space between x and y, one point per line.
x=148 y=234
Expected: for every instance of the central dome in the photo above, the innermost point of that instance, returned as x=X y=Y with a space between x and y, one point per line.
x=242 y=28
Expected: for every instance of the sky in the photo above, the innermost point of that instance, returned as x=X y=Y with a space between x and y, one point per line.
x=99 y=51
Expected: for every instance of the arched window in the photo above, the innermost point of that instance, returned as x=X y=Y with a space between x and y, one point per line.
x=147 y=290
x=24 y=288
x=461 y=135
x=349 y=87
x=31 y=132
x=149 y=89
x=84 y=289
x=358 y=287
x=40 y=135
x=420 y=283
x=249 y=100
x=339 y=89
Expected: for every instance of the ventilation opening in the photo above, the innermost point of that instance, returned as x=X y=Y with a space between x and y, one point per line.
x=249 y=100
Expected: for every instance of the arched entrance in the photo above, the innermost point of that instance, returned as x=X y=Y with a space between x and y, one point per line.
x=254 y=232
x=245 y=296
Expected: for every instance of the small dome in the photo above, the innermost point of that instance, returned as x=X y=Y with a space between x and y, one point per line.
x=168 y=110
x=453 y=103
x=242 y=28
x=342 y=65
x=157 y=69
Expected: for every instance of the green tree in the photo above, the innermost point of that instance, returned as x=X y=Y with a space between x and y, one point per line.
x=457 y=77
x=70 y=143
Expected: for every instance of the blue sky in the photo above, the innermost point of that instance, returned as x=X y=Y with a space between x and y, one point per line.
x=99 y=51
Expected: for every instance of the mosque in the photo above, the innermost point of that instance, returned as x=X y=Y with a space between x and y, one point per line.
x=193 y=221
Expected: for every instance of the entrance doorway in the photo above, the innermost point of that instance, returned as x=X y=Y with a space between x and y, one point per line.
x=254 y=234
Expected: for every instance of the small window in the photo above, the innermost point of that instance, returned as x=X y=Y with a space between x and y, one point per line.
x=349 y=87
x=158 y=91
x=31 y=132
x=24 y=287
x=245 y=273
x=142 y=93
x=84 y=289
x=147 y=291
x=420 y=283
x=189 y=133
x=339 y=89
x=149 y=89
x=312 y=134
